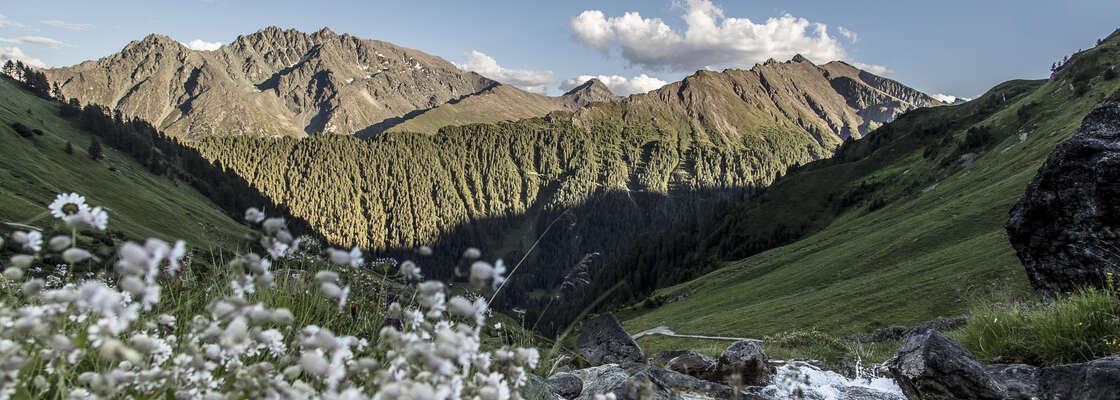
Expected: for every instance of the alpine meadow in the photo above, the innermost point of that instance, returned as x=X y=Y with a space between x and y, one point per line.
x=640 y=200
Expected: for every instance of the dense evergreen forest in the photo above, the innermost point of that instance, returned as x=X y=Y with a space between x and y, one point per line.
x=500 y=187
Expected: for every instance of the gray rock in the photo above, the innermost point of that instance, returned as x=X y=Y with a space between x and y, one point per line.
x=565 y=384
x=694 y=364
x=603 y=341
x=862 y=393
x=1019 y=381
x=1064 y=228
x=603 y=379
x=663 y=358
x=930 y=365
x=640 y=381
x=537 y=389
x=1095 y=380
x=744 y=363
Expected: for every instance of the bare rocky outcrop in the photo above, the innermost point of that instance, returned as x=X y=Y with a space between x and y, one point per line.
x=1066 y=227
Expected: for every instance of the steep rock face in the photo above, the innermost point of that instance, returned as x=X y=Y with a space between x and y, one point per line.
x=272 y=82
x=1064 y=227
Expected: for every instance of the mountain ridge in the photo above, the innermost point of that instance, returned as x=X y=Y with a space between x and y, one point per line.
x=283 y=82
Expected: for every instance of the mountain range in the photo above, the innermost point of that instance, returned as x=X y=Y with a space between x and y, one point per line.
x=389 y=148
x=282 y=82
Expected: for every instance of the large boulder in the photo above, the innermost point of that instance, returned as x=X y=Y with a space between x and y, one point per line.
x=744 y=363
x=1065 y=228
x=603 y=341
x=931 y=366
x=694 y=364
x=1095 y=380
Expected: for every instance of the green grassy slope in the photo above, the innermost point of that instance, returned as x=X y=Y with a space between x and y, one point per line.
x=141 y=204
x=924 y=242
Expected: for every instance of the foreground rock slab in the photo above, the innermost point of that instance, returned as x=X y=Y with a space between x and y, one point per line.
x=1066 y=227
x=1095 y=380
x=931 y=366
x=603 y=341
x=640 y=381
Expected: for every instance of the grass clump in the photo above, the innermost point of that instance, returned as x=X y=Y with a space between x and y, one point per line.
x=1078 y=327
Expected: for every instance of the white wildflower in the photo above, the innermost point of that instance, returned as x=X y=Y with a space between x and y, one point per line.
x=472 y=254
x=13 y=273
x=30 y=241
x=353 y=258
x=314 y=363
x=21 y=260
x=254 y=215
x=481 y=273
x=410 y=271
x=67 y=204
x=91 y=218
x=75 y=255
x=59 y=243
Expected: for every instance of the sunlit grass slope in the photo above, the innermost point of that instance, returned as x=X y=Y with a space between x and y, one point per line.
x=141 y=204
x=923 y=240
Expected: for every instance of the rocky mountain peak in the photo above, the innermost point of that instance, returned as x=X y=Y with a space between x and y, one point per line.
x=271 y=82
x=797 y=58
x=592 y=91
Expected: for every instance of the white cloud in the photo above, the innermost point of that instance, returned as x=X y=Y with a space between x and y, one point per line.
x=7 y=23
x=619 y=85
x=36 y=40
x=533 y=81
x=15 y=54
x=709 y=39
x=848 y=34
x=948 y=98
x=74 y=26
x=199 y=44
x=872 y=68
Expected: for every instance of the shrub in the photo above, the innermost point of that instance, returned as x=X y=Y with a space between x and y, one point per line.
x=1026 y=111
x=21 y=129
x=1110 y=73
x=977 y=137
x=1074 y=328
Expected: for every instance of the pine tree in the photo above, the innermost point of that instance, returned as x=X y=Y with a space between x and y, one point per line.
x=95 y=149
x=69 y=148
x=10 y=69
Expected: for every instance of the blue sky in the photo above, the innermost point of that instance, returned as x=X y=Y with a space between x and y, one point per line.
x=954 y=47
